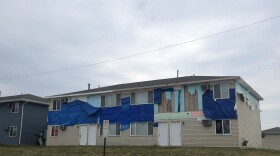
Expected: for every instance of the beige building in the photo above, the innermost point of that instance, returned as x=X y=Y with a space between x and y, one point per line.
x=271 y=138
x=209 y=111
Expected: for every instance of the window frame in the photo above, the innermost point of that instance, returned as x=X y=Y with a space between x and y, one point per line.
x=223 y=133
x=101 y=130
x=58 y=131
x=60 y=100
x=146 y=129
x=15 y=107
x=105 y=101
x=55 y=103
x=220 y=85
x=145 y=91
x=14 y=128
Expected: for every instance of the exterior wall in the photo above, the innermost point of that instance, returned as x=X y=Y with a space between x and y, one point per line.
x=67 y=137
x=126 y=139
x=195 y=134
x=9 y=119
x=94 y=100
x=81 y=98
x=249 y=123
x=34 y=122
x=271 y=141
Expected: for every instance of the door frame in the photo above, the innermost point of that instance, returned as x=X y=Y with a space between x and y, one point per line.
x=169 y=122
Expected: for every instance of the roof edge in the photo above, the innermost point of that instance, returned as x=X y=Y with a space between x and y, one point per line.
x=26 y=100
x=171 y=84
x=251 y=90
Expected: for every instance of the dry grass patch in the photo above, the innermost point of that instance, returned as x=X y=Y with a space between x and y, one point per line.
x=131 y=151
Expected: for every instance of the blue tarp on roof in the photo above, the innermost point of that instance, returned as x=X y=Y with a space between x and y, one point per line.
x=135 y=113
x=73 y=113
x=219 y=108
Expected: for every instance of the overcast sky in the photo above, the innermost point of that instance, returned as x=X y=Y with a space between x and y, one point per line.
x=41 y=36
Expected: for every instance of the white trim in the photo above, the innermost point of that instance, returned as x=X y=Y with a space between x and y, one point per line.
x=21 y=120
x=58 y=135
x=115 y=131
x=17 y=100
x=147 y=91
x=221 y=90
x=112 y=95
x=56 y=103
x=223 y=128
x=135 y=129
x=109 y=131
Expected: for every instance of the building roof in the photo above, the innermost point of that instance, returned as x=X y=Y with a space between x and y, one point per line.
x=275 y=130
x=24 y=97
x=155 y=84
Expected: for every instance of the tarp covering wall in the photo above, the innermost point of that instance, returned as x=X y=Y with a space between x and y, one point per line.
x=219 y=108
x=158 y=93
x=73 y=113
x=135 y=113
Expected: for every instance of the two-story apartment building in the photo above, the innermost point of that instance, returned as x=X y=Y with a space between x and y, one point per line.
x=23 y=119
x=219 y=111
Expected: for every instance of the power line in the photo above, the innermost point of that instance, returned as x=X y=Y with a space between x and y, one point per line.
x=142 y=53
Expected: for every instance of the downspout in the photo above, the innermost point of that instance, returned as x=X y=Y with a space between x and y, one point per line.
x=22 y=108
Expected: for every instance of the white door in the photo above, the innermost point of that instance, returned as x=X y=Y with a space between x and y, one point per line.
x=92 y=135
x=83 y=135
x=163 y=139
x=175 y=134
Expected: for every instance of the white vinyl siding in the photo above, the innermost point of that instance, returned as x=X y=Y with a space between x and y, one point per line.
x=221 y=91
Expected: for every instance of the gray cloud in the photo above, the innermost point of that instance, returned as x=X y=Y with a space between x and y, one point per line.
x=40 y=36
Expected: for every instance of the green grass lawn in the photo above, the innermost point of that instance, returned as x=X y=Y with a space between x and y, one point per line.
x=130 y=151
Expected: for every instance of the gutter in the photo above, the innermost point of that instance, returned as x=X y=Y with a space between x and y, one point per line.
x=21 y=120
x=33 y=101
x=145 y=87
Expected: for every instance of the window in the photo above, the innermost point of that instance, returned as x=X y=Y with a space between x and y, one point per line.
x=118 y=102
x=55 y=131
x=114 y=130
x=221 y=91
x=222 y=126
x=13 y=131
x=56 y=105
x=142 y=97
x=15 y=107
x=108 y=100
x=64 y=100
x=141 y=128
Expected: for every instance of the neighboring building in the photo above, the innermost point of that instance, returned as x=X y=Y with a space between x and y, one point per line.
x=271 y=139
x=211 y=111
x=23 y=119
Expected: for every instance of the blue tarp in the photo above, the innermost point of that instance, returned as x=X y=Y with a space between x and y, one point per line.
x=158 y=93
x=219 y=109
x=73 y=113
x=135 y=113
x=125 y=103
